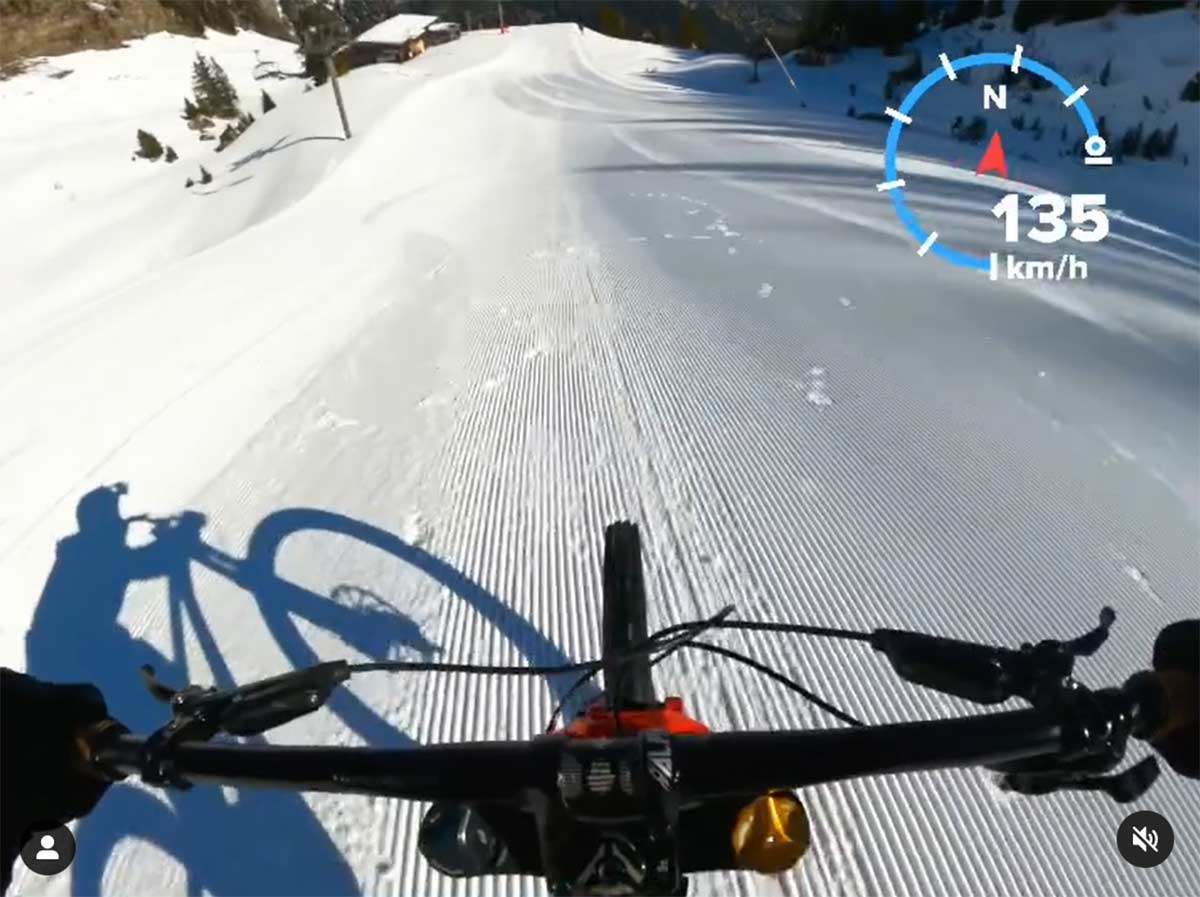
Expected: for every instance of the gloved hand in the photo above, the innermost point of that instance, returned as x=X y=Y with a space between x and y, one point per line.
x=1177 y=663
x=43 y=773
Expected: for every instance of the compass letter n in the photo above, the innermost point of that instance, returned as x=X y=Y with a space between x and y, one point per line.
x=999 y=96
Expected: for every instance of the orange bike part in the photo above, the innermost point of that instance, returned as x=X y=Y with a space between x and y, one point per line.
x=601 y=722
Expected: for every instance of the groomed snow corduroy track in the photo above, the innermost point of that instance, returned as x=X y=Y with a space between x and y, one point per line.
x=539 y=291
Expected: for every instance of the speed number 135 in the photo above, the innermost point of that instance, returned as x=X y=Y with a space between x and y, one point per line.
x=1087 y=216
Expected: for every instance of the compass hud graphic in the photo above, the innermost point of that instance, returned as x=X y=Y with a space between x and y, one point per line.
x=1067 y=222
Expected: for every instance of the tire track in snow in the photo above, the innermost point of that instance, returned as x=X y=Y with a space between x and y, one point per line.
x=635 y=436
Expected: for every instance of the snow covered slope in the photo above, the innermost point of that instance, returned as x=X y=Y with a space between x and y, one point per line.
x=407 y=378
x=1127 y=89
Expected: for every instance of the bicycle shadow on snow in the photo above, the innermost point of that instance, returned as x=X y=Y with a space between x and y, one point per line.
x=216 y=835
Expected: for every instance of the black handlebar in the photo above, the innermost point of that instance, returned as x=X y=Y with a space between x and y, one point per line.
x=1068 y=739
x=752 y=762
x=704 y=765
x=472 y=771
x=565 y=803
x=609 y=815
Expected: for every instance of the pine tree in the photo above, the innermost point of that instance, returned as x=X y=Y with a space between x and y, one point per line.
x=202 y=86
x=1028 y=13
x=205 y=177
x=225 y=97
x=189 y=110
x=267 y=103
x=1169 y=140
x=758 y=53
x=227 y=137
x=148 y=145
x=961 y=12
x=611 y=22
x=215 y=93
x=170 y=156
x=201 y=124
x=691 y=32
x=1191 y=90
x=1155 y=145
x=1130 y=143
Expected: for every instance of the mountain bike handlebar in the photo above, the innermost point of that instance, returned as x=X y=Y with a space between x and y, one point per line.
x=631 y=800
x=701 y=766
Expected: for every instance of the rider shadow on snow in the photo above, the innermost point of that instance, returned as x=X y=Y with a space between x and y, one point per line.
x=217 y=835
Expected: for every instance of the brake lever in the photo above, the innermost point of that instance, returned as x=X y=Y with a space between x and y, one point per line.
x=985 y=674
x=1037 y=672
x=1089 y=643
x=1096 y=727
x=198 y=713
x=1123 y=787
x=1127 y=785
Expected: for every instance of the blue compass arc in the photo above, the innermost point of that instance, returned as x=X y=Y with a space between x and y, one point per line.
x=903 y=212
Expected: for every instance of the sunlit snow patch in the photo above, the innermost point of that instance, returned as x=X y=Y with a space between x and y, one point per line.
x=816 y=388
x=1142 y=580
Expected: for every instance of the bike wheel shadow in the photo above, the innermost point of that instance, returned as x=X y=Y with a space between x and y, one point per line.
x=226 y=842
x=279 y=599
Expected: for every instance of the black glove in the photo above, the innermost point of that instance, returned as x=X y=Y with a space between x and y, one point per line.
x=1177 y=663
x=44 y=778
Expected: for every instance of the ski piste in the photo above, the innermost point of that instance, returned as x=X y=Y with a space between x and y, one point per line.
x=557 y=279
x=633 y=794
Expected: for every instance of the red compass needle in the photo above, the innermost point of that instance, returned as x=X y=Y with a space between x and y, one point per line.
x=993 y=158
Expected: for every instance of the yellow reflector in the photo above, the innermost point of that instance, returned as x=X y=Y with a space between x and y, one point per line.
x=771 y=833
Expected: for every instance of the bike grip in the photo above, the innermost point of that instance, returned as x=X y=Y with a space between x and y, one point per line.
x=1166 y=714
x=963 y=669
x=1177 y=739
x=1176 y=660
x=92 y=742
x=1177 y=647
x=1181 y=694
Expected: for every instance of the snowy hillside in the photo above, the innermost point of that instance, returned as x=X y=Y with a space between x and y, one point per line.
x=1138 y=89
x=67 y=136
x=79 y=112
x=391 y=388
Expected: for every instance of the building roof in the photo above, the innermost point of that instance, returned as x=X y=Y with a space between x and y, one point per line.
x=396 y=30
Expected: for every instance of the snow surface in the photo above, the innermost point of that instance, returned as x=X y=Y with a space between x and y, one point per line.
x=1167 y=55
x=397 y=29
x=407 y=378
